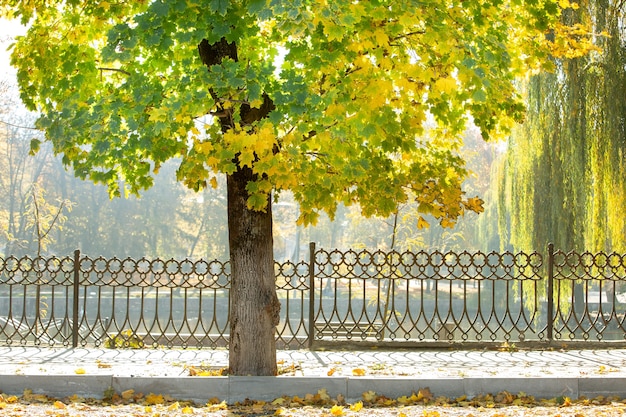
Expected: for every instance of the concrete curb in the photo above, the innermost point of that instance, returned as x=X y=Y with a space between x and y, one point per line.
x=234 y=388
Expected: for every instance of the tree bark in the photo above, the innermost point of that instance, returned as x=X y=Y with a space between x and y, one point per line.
x=254 y=305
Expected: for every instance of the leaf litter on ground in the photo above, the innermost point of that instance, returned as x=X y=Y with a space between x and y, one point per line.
x=422 y=403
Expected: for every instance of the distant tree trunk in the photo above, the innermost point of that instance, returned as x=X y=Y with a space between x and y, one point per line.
x=254 y=305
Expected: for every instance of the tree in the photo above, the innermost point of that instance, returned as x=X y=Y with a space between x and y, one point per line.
x=564 y=170
x=19 y=179
x=327 y=99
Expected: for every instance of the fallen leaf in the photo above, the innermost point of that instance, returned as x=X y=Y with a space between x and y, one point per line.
x=336 y=410
x=369 y=396
x=358 y=372
x=356 y=406
x=153 y=399
x=79 y=371
x=128 y=394
x=323 y=394
x=424 y=394
x=278 y=401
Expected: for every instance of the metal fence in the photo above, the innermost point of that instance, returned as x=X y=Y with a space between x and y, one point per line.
x=382 y=298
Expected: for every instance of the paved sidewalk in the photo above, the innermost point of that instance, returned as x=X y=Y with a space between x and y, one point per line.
x=63 y=372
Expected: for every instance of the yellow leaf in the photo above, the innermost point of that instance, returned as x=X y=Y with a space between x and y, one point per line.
x=446 y=85
x=79 y=371
x=278 y=401
x=3 y=405
x=448 y=223
x=356 y=406
x=153 y=399
x=158 y=115
x=323 y=394
x=331 y=371
x=59 y=405
x=336 y=410
x=381 y=37
x=128 y=394
x=369 y=396
x=358 y=372
x=204 y=147
x=335 y=109
x=174 y=406
x=421 y=223
x=475 y=204
x=404 y=400
x=424 y=394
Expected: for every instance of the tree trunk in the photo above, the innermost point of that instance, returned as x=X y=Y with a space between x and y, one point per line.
x=254 y=305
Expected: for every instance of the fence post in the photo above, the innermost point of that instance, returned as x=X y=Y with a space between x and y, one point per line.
x=550 y=292
x=75 y=326
x=311 y=293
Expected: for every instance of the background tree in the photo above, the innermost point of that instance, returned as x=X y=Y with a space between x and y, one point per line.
x=20 y=180
x=326 y=99
x=563 y=179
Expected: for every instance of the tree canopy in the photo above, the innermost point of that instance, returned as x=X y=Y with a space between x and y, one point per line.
x=362 y=101
x=337 y=101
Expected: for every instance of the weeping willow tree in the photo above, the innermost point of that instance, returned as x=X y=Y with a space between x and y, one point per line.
x=563 y=177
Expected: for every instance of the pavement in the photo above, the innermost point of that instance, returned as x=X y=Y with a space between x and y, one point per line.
x=88 y=373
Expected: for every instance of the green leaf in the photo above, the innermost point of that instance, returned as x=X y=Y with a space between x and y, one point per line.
x=219 y=6
x=34 y=146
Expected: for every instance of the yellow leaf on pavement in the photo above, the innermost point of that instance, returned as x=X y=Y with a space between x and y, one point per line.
x=336 y=410
x=356 y=406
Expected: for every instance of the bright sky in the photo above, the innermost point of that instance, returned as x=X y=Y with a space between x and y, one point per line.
x=8 y=30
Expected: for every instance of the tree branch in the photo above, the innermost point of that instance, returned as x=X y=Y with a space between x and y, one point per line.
x=18 y=126
x=113 y=70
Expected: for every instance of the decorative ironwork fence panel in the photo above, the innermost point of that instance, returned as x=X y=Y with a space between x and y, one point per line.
x=337 y=296
x=36 y=300
x=427 y=296
x=589 y=296
x=128 y=303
